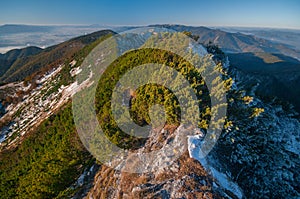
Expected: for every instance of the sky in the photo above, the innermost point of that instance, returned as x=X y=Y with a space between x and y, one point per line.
x=242 y=13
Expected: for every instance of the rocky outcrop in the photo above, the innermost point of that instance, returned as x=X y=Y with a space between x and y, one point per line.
x=185 y=178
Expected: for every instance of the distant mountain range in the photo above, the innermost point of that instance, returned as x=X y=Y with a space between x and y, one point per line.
x=290 y=37
x=274 y=64
x=231 y=40
x=236 y=42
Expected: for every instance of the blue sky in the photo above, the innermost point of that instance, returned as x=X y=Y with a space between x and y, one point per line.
x=255 y=13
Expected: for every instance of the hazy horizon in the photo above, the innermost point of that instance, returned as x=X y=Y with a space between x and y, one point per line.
x=232 y=13
x=15 y=37
x=144 y=25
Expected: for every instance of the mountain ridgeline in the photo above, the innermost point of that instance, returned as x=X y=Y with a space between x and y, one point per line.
x=258 y=150
x=235 y=42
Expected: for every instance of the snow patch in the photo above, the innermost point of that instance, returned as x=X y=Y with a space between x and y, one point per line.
x=194 y=147
x=75 y=71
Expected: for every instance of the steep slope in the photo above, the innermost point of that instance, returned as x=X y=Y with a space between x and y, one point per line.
x=261 y=149
x=47 y=162
x=26 y=104
x=273 y=75
x=41 y=155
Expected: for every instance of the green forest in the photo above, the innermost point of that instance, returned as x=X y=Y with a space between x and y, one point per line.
x=46 y=163
x=148 y=95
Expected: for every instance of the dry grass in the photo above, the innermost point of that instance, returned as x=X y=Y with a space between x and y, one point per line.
x=268 y=58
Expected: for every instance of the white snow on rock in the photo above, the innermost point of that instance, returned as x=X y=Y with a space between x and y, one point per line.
x=38 y=104
x=75 y=71
x=198 y=49
x=221 y=179
x=73 y=63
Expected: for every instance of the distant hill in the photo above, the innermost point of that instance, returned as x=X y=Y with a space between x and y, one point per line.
x=52 y=56
x=264 y=63
x=276 y=75
x=8 y=59
x=290 y=37
x=236 y=42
